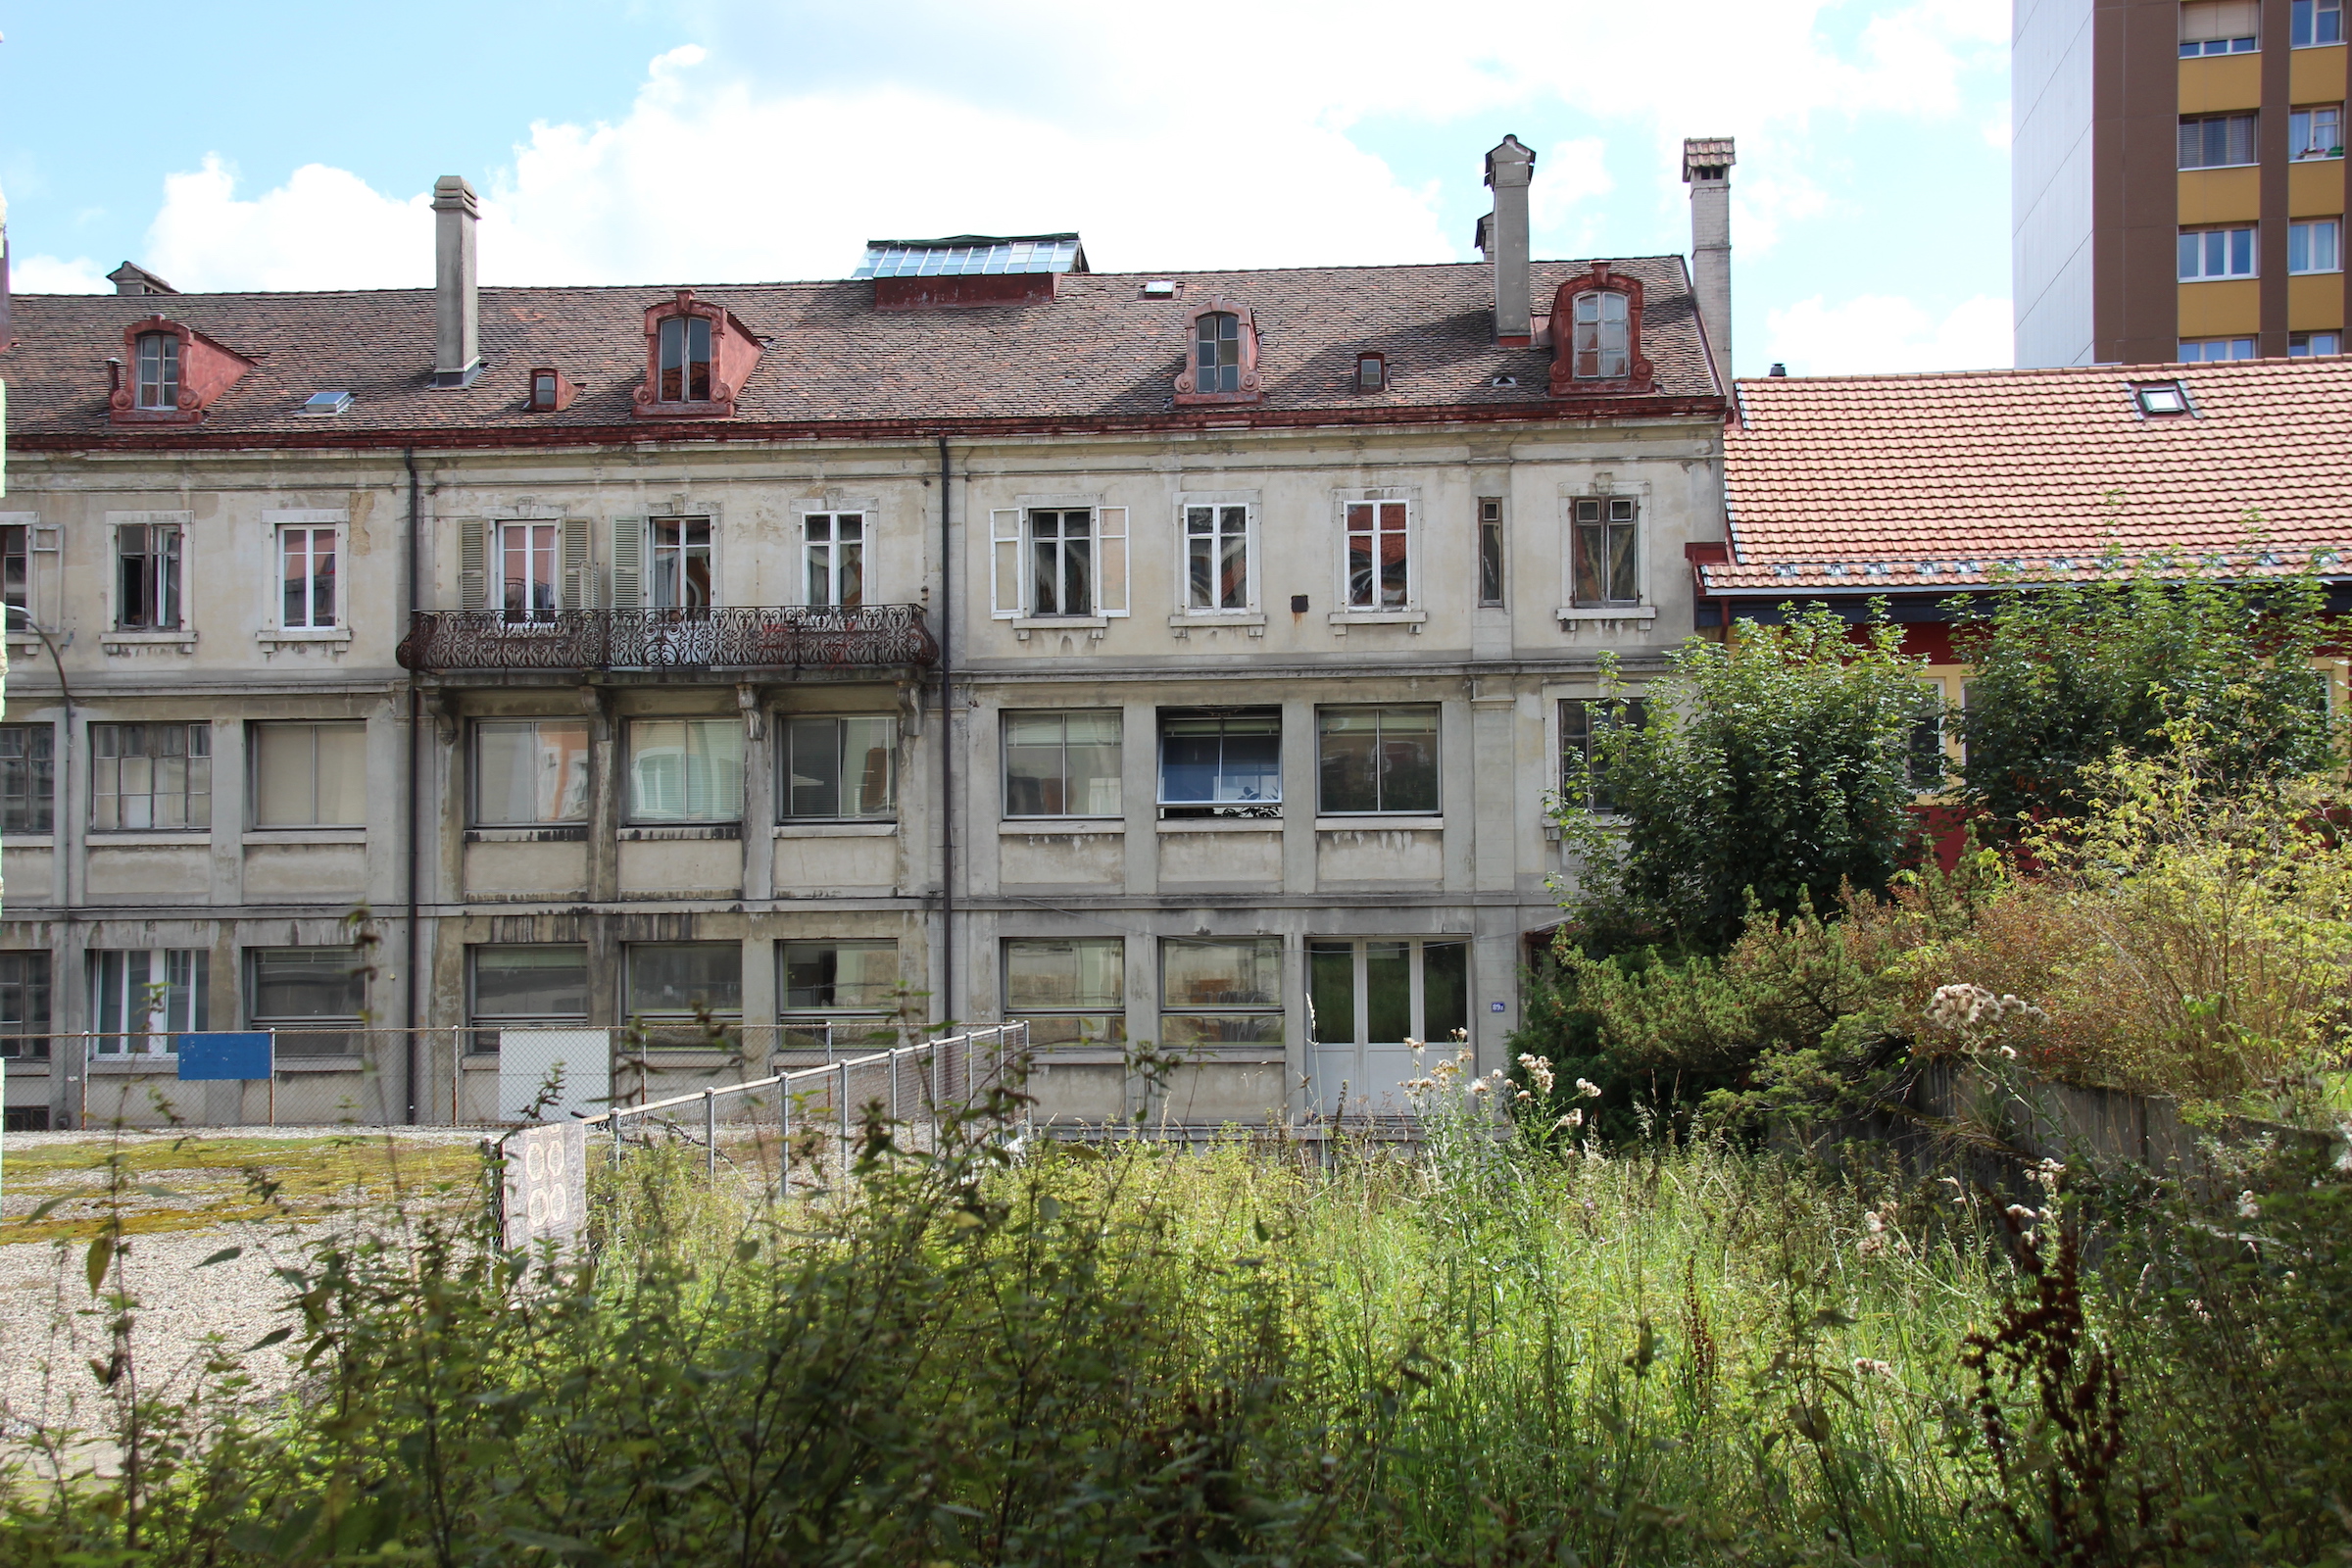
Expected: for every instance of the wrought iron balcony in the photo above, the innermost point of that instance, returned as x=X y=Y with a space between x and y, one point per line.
x=793 y=637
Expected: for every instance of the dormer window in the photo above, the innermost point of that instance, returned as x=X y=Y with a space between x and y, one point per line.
x=157 y=384
x=1221 y=358
x=696 y=358
x=550 y=390
x=685 y=359
x=1371 y=372
x=1603 y=349
x=1597 y=335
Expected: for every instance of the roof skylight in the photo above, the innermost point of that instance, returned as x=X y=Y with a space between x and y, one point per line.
x=961 y=255
x=2157 y=398
x=325 y=405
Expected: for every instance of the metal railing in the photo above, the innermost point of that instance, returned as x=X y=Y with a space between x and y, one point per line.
x=921 y=1078
x=790 y=637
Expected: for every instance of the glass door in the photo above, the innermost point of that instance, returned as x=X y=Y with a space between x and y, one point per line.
x=1368 y=999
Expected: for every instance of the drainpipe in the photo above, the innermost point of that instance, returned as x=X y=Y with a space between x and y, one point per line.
x=946 y=750
x=408 y=1014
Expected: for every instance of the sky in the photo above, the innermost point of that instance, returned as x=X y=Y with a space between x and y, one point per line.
x=294 y=146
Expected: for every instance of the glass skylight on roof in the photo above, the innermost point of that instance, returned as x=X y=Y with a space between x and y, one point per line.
x=966 y=254
x=325 y=405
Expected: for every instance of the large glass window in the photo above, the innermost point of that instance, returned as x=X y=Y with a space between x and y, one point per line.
x=1220 y=762
x=2316 y=133
x=2316 y=246
x=24 y=1003
x=527 y=567
x=1607 y=569
x=151 y=776
x=2209 y=253
x=1220 y=993
x=140 y=999
x=1582 y=721
x=27 y=778
x=2197 y=350
x=2313 y=23
x=685 y=359
x=672 y=987
x=836 y=994
x=833 y=554
x=685 y=770
x=839 y=768
x=1377 y=760
x=306 y=558
x=1071 y=990
x=310 y=775
x=529 y=771
x=1217 y=353
x=1602 y=347
x=1216 y=557
x=1369 y=999
x=312 y=997
x=1061 y=764
x=2216 y=141
x=681 y=549
x=2219 y=28
x=159 y=371
x=1061 y=563
x=527 y=987
x=147 y=576
x=1379 y=554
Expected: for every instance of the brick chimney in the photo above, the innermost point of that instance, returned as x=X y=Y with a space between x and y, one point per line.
x=457 y=308
x=1707 y=169
x=1502 y=236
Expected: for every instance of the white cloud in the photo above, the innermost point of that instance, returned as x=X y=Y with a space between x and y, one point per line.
x=1873 y=333
x=49 y=274
x=322 y=228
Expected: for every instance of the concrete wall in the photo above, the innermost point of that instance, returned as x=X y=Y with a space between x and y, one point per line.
x=2051 y=180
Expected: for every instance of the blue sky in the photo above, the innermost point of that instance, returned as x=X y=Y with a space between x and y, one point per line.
x=715 y=140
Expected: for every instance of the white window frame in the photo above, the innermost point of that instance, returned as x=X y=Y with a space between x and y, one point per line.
x=653 y=550
x=1252 y=571
x=41 y=577
x=1348 y=610
x=531 y=613
x=1609 y=486
x=154 y=1032
x=2308 y=114
x=1010 y=557
x=2203 y=343
x=169 y=356
x=2313 y=229
x=803 y=547
x=2253 y=253
x=274 y=524
x=2315 y=9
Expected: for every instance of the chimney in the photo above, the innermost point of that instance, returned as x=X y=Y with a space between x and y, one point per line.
x=456 y=309
x=1502 y=237
x=132 y=279
x=1707 y=169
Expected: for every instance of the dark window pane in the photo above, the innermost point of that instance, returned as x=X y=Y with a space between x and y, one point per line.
x=530 y=982
x=1331 y=991
x=674 y=978
x=1388 y=992
x=1445 y=988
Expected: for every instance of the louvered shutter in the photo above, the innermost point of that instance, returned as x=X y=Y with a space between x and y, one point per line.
x=473 y=563
x=1111 y=561
x=629 y=562
x=47 y=588
x=1004 y=561
x=571 y=538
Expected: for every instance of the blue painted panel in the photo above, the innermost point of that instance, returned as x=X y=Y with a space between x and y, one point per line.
x=225 y=1056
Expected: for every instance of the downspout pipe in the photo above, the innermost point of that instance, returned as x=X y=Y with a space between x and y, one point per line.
x=947 y=746
x=408 y=971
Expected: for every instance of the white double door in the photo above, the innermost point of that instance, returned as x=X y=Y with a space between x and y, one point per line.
x=1368 y=999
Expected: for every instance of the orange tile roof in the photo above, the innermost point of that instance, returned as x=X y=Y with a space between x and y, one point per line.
x=1915 y=482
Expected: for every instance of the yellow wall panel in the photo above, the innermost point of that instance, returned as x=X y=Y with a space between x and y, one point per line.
x=2315 y=300
x=2316 y=75
x=2315 y=189
x=2221 y=196
x=2220 y=310
x=2212 y=83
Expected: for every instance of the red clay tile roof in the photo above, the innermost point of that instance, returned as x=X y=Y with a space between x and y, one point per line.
x=1098 y=351
x=1908 y=482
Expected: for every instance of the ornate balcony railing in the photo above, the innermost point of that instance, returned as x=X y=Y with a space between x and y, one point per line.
x=793 y=637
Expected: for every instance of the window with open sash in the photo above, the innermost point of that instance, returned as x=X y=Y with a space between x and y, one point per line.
x=1584 y=764
x=1071 y=991
x=838 y=996
x=2316 y=133
x=1380 y=568
x=1220 y=993
x=1059 y=561
x=147 y=576
x=140 y=999
x=15 y=575
x=1220 y=762
x=1606 y=549
x=1216 y=559
x=833 y=559
x=306 y=560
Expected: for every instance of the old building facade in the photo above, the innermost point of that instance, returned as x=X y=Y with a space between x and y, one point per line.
x=1176 y=657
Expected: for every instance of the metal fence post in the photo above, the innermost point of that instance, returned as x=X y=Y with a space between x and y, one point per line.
x=784 y=1122
x=710 y=1133
x=894 y=1083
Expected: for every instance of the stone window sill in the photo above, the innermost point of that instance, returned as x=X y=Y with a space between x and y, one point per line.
x=1637 y=615
x=304 y=636
x=668 y=832
x=29 y=841
x=836 y=830
x=547 y=833
x=1252 y=621
x=1222 y=825
x=1397 y=823
x=141 y=838
x=1058 y=826
x=287 y=1064
x=1092 y=625
x=129 y=642
x=306 y=835
x=1342 y=619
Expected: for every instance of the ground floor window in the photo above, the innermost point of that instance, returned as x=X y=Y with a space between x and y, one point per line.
x=527 y=988
x=312 y=998
x=140 y=999
x=838 y=996
x=678 y=993
x=1072 y=991
x=24 y=1005
x=1220 y=993
x=1369 y=999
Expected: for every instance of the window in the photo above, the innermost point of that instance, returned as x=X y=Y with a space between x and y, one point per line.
x=1061 y=764
x=1582 y=721
x=2160 y=398
x=24 y=1005
x=1490 y=552
x=15 y=575
x=1371 y=372
x=1071 y=991
x=685 y=359
x=2315 y=21
x=837 y=994
x=1216 y=559
x=2316 y=246
x=685 y=770
x=1603 y=348
x=1220 y=993
x=310 y=775
x=1377 y=760
x=2316 y=132
x=1379 y=554
x=529 y=771
x=2302 y=345
x=526 y=988
x=307 y=573
x=833 y=548
x=527 y=567
x=2215 y=141
x=157 y=385
x=838 y=769
x=145 y=776
x=2207 y=253
x=1607 y=565
x=140 y=1000
x=2219 y=28
x=147 y=557
x=312 y=997
x=1061 y=563
x=27 y=778
x=2197 y=350
x=551 y=389
x=679 y=984
x=1366 y=999
x=1220 y=763
x=1924 y=749
x=1217 y=354
x=681 y=549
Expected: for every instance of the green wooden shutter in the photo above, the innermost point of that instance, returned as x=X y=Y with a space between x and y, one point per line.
x=629 y=562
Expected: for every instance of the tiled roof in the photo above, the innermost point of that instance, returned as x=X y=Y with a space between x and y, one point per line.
x=1098 y=350
x=1885 y=483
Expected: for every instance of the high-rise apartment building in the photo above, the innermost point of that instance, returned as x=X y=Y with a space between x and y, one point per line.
x=2177 y=179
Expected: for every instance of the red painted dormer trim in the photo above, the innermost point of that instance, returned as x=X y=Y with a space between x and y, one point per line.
x=734 y=352
x=1251 y=389
x=1564 y=380
x=206 y=370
